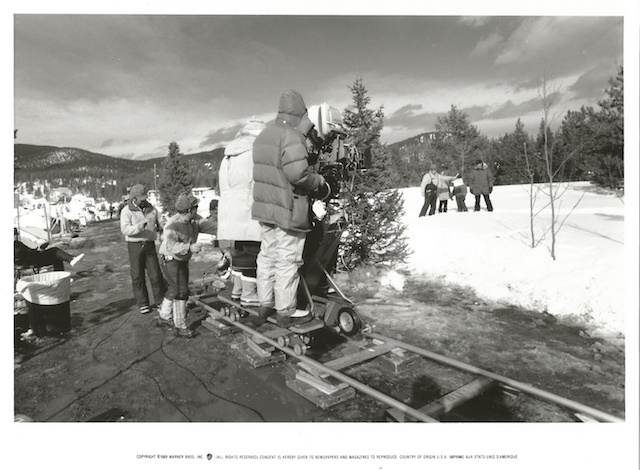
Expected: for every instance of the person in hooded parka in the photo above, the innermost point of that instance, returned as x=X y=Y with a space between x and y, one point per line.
x=236 y=228
x=284 y=184
x=480 y=182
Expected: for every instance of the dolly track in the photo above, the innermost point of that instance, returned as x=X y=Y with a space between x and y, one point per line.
x=487 y=378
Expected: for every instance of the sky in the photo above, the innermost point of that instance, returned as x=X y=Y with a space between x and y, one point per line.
x=126 y=85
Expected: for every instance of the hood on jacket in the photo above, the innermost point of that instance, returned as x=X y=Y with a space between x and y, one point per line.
x=244 y=139
x=291 y=108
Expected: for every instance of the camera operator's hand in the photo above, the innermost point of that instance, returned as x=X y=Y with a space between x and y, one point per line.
x=323 y=193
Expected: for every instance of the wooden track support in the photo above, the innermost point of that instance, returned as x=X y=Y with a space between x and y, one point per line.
x=399 y=360
x=448 y=402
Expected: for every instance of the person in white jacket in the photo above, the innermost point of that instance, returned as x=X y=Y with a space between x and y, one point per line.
x=140 y=222
x=236 y=228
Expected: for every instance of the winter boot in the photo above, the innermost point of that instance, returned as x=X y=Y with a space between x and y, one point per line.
x=236 y=291
x=249 y=297
x=301 y=316
x=165 y=318
x=266 y=312
x=180 y=319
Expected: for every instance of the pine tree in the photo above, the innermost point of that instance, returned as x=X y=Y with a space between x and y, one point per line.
x=610 y=135
x=375 y=233
x=509 y=159
x=459 y=140
x=174 y=179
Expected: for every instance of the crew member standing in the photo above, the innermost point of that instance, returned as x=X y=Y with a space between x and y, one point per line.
x=283 y=184
x=235 y=225
x=140 y=222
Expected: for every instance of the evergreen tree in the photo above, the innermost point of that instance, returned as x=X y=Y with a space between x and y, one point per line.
x=576 y=139
x=610 y=135
x=174 y=179
x=508 y=151
x=458 y=142
x=375 y=233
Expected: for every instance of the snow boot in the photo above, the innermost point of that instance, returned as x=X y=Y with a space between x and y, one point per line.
x=165 y=318
x=266 y=312
x=180 y=319
x=249 y=297
x=236 y=291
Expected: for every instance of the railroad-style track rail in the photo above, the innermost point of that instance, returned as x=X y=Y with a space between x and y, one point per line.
x=327 y=378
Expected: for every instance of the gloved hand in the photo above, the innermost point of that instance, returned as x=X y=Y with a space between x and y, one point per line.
x=323 y=193
x=145 y=206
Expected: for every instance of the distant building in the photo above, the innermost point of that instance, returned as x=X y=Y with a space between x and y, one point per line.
x=205 y=194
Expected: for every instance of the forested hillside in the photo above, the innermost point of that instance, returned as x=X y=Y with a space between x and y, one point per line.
x=586 y=145
x=42 y=168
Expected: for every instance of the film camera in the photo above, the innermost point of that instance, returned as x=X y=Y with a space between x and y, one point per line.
x=334 y=158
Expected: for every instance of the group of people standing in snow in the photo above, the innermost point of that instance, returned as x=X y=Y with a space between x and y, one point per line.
x=264 y=214
x=436 y=188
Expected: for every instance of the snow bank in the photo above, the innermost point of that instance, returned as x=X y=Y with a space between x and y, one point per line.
x=491 y=252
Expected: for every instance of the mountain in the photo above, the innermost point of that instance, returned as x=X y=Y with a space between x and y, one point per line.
x=40 y=168
x=43 y=167
x=414 y=141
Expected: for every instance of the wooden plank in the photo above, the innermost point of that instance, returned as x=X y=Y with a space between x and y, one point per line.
x=451 y=400
x=399 y=361
x=351 y=359
x=328 y=386
x=260 y=351
x=257 y=361
x=319 y=398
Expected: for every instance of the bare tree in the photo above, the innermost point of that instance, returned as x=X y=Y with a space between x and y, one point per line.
x=548 y=94
x=533 y=197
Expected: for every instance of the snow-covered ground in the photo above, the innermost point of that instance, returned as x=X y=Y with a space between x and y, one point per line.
x=491 y=253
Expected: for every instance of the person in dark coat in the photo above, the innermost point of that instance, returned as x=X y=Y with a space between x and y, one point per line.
x=38 y=258
x=480 y=182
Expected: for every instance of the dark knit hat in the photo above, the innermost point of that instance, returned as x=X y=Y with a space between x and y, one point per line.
x=186 y=202
x=478 y=161
x=291 y=102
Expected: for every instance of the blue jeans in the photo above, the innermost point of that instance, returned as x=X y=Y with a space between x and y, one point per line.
x=143 y=257
x=177 y=275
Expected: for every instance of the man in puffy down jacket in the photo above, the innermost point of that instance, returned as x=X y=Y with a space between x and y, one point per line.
x=283 y=184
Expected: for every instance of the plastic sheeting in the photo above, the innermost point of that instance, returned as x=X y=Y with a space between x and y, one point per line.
x=51 y=288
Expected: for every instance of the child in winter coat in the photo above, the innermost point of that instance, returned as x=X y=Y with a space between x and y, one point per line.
x=460 y=192
x=443 y=192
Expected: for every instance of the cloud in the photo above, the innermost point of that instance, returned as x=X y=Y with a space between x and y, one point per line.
x=408 y=118
x=591 y=83
x=536 y=41
x=107 y=143
x=475 y=21
x=511 y=110
x=219 y=137
x=487 y=44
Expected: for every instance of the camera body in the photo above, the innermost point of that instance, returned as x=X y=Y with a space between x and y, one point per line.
x=329 y=152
